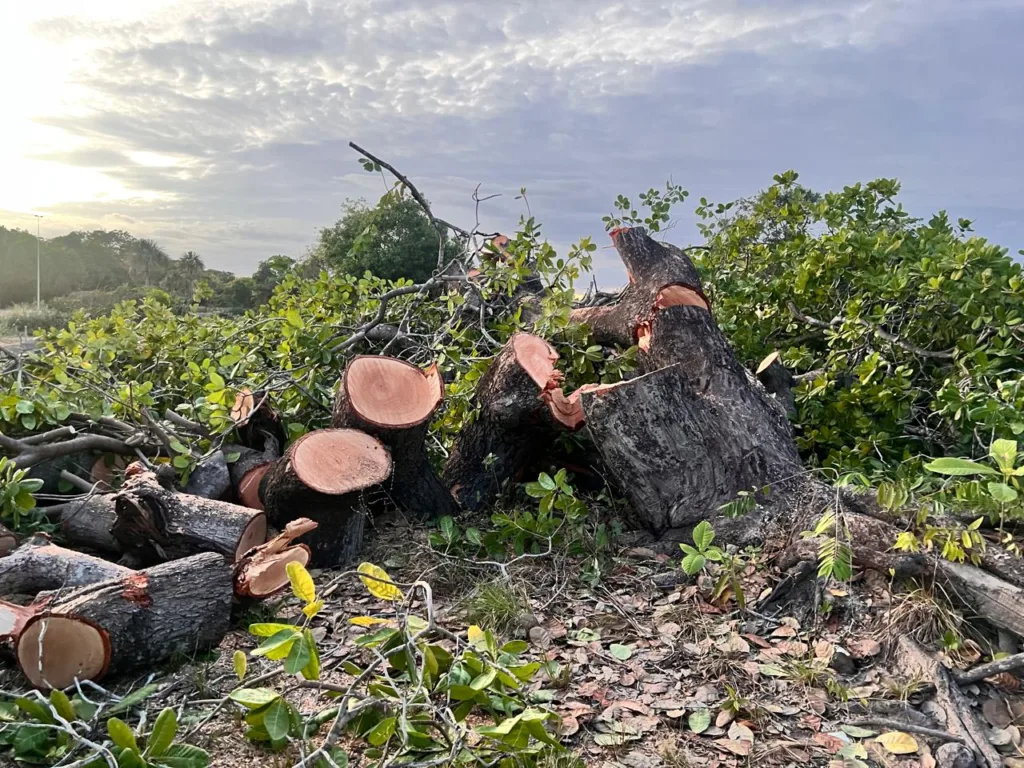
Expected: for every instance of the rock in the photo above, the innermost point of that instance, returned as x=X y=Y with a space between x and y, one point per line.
x=842 y=662
x=954 y=755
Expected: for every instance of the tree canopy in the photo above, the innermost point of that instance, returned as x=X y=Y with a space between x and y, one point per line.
x=392 y=240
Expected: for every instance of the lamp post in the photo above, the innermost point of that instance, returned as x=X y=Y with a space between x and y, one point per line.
x=38 y=261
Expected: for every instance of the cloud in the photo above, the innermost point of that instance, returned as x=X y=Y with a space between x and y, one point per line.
x=251 y=107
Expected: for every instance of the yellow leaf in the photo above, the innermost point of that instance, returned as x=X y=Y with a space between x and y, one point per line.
x=240 y=664
x=377 y=581
x=476 y=636
x=898 y=742
x=302 y=582
x=368 y=621
x=312 y=609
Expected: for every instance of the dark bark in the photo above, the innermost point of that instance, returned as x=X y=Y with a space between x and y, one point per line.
x=210 y=479
x=778 y=381
x=136 y=622
x=79 y=464
x=39 y=565
x=514 y=420
x=246 y=472
x=338 y=504
x=88 y=522
x=156 y=524
x=258 y=424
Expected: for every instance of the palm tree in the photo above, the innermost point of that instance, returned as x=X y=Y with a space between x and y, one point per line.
x=191 y=267
x=146 y=259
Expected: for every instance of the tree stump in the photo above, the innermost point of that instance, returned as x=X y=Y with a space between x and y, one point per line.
x=323 y=476
x=129 y=623
x=521 y=407
x=393 y=401
x=156 y=524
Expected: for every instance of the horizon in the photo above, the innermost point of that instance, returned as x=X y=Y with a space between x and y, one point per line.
x=223 y=127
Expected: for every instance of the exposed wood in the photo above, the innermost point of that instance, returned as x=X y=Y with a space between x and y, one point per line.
x=988 y=596
x=777 y=381
x=131 y=623
x=246 y=472
x=256 y=421
x=394 y=401
x=39 y=565
x=13 y=619
x=519 y=413
x=323 y=476
x=157 y=524
x=263 y=571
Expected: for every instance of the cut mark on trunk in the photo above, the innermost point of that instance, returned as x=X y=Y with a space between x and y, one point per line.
x=271 y=575
x=255 y=533
x=537 y=358
x=339 y=461
x=391 y=392
x=249 y=488
x=54 y=650
x=136 y=587
x=243 y=407
x=678 y=294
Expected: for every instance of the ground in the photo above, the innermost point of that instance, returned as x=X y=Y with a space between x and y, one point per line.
x=651 y=672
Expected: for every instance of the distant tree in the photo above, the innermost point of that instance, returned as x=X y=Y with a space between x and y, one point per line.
x=392 y=240
x=191 y=267
x=147 y=261
x=268 y=274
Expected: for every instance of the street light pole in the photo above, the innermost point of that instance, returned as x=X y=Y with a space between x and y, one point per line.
x=38 y=261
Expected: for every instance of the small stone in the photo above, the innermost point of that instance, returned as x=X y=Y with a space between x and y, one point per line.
x=842 y=662
x=954 y=755
x=527 y=621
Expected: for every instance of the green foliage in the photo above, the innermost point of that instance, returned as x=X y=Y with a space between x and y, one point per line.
x=916 y=337
x=41 y=731
x=497 y=605
x=392 y=240
x=729 y=564
x=698 y=555
x=16 y=499
x=835 y=553
x=658 y=207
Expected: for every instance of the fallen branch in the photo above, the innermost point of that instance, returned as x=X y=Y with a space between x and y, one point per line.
x=1009 y=664
x=901 y=725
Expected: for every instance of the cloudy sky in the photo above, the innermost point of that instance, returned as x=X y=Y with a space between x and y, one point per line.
x=221 y=125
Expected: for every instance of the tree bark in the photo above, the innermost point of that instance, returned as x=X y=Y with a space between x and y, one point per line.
x=156 y=524
x=323 y=476
x=520 y=409
x=247 y=471
x=87 y=522
x=394 y=402
x=210 y=479
x=39 y=565
x=130 y=623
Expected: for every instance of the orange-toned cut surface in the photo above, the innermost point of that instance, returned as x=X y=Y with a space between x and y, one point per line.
x=249 y=488
x=71 y=648
x=337 y=461
x=679 y=295
x=390 y=392
x=537 y=358
x=103 y=472
x=271 y=574
x=242 y=409
x=255 y=533
x=13 y=618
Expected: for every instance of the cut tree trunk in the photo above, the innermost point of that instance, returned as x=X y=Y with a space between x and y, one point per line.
x=247 y=471
x=660 y=275
x=264 y=570
x=521 y=408
x=156 y=524
x=129 y=623
x=259 y=426
x=394 y=401
x=39 y=565
x=211 y=478
x=777 y=381
x=87 y=522
x=323 y=475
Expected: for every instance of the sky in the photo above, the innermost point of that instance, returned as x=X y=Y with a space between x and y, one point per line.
x=222 y=126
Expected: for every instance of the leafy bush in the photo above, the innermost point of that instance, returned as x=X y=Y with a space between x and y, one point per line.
x=17 y=317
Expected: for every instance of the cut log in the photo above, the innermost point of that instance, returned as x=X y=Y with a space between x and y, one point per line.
x=210 y=479
x=660 y=275
x=131 y=623
x=87 y=522
x=394 y=401
x=323 y=476
x=156 y=524
x=8 y=541
x=13 y=619
x=247 y=471
x=39 y=565
x=521 y=408
x=777 y=381
x=263 y=571
x=256 y=421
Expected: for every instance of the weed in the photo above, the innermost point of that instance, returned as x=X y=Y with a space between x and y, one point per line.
x=497 y=605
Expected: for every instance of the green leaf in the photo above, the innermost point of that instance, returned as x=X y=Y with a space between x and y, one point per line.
x=280 y=645
x=277 y=720
x=184 y=756
x=381 y=732
x=35 y=710
x=958 y=467
x=134 y=698
x=294 y=318
x=515 y=647
x=1005 y=454
x=699 y=720
x=122 y=735
x=130 y=759
x=703 y=535
x=693 y=563
x=240 y=664
x=253 y=698
x=164 y=730
x=312 y=669
x=62 y=704
x=298 y=657
x=269 y=630
x=480 y=682
x=1002 y=493
x=546 y=482
x=621 y=652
